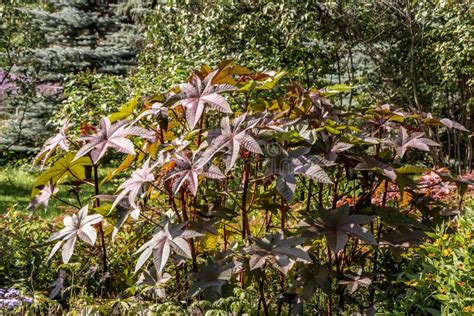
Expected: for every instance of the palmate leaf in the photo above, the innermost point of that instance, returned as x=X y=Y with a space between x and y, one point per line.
x=153 y=283
x=287 y=165
x=123 y=211
x=312 y=277
x=111 y=135
x=58 y=284
x=42 y=198
x=160 y=245
x=336 y=224
x=187 y=171
x=372 y=164
x=231 y=137
x=59 y=140
x=452 y=124
x=286 y=186
x=157 y=110
x=132 y=186
x=354 y=281
x=66 y=166
x=125 y=110
x=195 y=95
x=270 y=82
x=212 y=275
x=279 y=252
x=77 y=225
x=123 y=166
x=405 y=141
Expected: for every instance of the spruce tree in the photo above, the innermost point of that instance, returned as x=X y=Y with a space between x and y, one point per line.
x=71 y=36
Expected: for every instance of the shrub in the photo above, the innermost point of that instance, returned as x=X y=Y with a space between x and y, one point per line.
x=239 y=178
x=439 y=272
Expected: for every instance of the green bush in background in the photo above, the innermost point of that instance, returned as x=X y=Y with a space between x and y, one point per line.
x=439 y=273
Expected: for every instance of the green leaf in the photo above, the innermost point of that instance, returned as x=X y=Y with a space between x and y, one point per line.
x=125 y=110
x=335 y=89
x=271 y=82
x=441 y=297
x=410 y=169
x=65 y=166
x=248 y=86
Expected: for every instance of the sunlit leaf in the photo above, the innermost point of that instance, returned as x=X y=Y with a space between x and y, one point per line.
x=77 y=225
x=125 y=110
x=65 y=166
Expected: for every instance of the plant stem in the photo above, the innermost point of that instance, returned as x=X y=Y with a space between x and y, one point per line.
x=329 y=303
x=320 y=195
x=336 y=182
x=201 y=121
x=245 y=180
x=186 y=218
x=262 y=297
x=173 y=204
x=101 y=230
x=384 y=202
x=310 y=193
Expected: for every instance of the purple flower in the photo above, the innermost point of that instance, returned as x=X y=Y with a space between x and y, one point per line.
x=48 y=89
x=27 y=300
x=9 y=303
x=11 y=293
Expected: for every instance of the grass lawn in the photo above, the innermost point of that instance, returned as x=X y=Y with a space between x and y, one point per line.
x=16 y=184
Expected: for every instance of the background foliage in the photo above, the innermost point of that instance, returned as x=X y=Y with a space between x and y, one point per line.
x=82 y=60
x=415 y=53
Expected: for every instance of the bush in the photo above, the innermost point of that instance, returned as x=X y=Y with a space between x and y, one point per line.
x=313 y=202
x=439 y=273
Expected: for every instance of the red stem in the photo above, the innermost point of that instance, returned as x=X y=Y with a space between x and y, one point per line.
x=101 y=230
x=186 y=218
x=245 y=180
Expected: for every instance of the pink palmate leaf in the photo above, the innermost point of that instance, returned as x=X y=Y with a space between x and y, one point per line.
x=195 y=95
x=187 y=171
x=77 y=225
x=111 y=135
x=230 y=139
x=58 y=140
x=132 y=186
x=160 y=245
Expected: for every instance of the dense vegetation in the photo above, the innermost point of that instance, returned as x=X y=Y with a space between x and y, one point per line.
x=260 y=158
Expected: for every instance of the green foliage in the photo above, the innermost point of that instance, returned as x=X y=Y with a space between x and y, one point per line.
x=311 y=192
x=439 y=272
x=41 y=43
x=180 y=39
x=415 y=54
x=22 y=251
x=88 y=96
